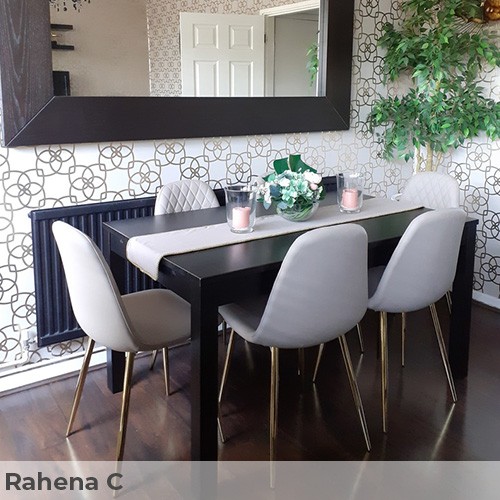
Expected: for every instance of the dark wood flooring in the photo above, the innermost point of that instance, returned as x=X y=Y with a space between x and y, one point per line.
x=316 y=422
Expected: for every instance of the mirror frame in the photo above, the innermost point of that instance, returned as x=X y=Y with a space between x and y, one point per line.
x=32 y=115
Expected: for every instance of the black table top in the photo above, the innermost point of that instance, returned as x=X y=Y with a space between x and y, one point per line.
x=263 y=254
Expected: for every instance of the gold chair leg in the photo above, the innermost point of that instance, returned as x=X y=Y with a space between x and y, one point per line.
x=403 y=337
x=127 y=384
x=273 y=427
x=274 y=401
x=322 y=347
x=442 y=348
x=225 y=372
x=153 y=359
x=166 y=370
x=448 y=300
x=79 y=385
x=318 y=361
x=227 y=362
x=219 y=424
x=385 y=366
x=360 y=338
x=355 y=389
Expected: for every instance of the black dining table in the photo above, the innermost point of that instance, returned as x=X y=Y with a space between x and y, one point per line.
x=216 y=276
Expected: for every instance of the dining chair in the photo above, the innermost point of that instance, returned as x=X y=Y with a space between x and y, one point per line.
x=184 y=196
x=419 y=273
x=306 y=306
x=432 y=190
x=140 y=321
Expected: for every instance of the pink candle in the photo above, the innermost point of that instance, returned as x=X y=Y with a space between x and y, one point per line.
x=350 y=198
x=241 y=217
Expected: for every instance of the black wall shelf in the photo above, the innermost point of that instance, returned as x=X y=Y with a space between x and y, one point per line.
x=56 y=46
x=61 y=27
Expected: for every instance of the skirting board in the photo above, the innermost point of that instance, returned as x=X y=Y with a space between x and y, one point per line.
x=41 y=373
x=34 y=375
x=489 y=300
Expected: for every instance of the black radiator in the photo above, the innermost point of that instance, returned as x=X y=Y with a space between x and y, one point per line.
x=54 y=316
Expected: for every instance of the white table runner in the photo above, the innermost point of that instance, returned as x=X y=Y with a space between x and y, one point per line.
x=146 y=251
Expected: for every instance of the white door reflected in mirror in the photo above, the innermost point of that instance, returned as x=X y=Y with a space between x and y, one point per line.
x=222 y=55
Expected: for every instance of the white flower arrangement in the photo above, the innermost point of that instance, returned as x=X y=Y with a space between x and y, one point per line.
x=291 y=189
x=293 y=185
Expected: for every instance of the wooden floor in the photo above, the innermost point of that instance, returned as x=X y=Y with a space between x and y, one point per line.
x=316 y=422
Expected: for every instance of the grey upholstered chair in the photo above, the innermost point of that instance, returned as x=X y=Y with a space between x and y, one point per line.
x=184 y=196
x=141 y=321
x=431 y=190
x=419 y=273
x=306 y=306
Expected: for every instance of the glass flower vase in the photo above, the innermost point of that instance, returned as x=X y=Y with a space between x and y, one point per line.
x=298 y=213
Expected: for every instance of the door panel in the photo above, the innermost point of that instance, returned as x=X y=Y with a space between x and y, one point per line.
x=222 y=55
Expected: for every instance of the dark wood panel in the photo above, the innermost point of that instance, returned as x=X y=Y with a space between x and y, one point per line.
x=99 y=119
x=26 y=63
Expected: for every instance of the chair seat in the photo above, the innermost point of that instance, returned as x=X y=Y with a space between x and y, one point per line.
x=160 y=318
x=244 y=317
x=374 y=276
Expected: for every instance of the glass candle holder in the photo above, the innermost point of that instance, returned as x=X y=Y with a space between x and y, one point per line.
x=350 y=187
x=240 y=208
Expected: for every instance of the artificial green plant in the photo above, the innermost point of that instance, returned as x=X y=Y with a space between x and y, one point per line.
x=312 y=64
x=445 y=54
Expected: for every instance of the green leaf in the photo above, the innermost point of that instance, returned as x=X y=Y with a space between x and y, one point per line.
x=293 y=163
x=280 y=165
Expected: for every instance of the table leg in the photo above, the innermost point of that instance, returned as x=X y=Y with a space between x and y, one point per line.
x=115 y=361
x=458 y=348
x=115 y=365
x=204 y=385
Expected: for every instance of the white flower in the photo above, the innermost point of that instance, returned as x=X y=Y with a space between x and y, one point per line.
x=312 y=177
x=284 y=182
x=267 y=197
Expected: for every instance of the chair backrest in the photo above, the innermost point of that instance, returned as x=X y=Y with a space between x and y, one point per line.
x=321 y=290
x=432 y=190
x=95 y=298
x=423 y=266
x=183 y=196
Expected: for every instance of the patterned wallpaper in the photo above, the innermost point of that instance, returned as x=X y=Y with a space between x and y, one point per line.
x=48 y=176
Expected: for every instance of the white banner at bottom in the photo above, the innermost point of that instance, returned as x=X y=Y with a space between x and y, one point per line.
x=251 y=480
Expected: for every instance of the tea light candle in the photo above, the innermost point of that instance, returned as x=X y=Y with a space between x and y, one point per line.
x=241 y=217
x=350 y=198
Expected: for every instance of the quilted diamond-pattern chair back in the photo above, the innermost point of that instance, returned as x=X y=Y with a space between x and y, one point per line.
x=433 y=190
x=183 y=196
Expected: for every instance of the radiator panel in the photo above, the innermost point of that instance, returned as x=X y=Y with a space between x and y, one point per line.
x=54 y=316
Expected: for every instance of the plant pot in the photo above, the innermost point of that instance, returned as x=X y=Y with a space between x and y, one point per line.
x=298 y=213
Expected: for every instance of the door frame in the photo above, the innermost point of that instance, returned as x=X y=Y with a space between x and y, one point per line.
x=269 y=14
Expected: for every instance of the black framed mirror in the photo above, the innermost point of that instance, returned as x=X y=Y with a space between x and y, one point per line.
x=32 y=115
